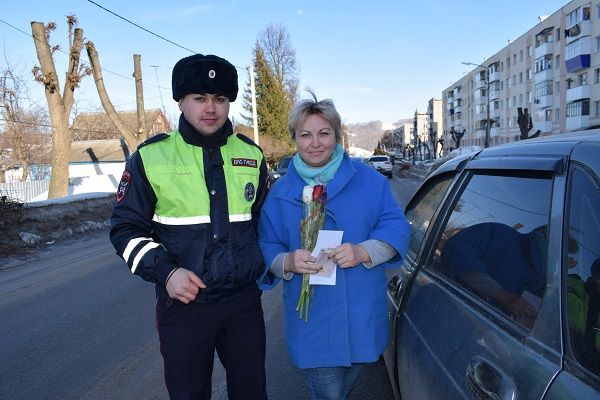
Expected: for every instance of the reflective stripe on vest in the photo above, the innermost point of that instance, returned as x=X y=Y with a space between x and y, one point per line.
x=172 y=164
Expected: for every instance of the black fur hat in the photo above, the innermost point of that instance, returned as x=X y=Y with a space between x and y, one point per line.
x=204 y=74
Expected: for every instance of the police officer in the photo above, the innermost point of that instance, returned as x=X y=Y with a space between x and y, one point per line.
x=185 y=219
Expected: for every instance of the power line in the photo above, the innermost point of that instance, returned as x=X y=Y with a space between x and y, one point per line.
x=141 y=27
x=64 y=52
x=149 y=31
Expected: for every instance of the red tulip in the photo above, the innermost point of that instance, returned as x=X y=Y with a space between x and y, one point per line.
x=317 y=192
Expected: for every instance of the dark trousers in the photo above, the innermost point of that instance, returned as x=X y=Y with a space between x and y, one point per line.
x=190 y=333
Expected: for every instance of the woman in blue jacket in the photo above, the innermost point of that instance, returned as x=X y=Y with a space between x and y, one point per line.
x=347 y=322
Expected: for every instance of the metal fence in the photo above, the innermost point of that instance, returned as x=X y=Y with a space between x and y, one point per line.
x=24 y=191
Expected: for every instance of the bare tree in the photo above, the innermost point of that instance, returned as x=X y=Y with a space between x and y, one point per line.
x=132 y=138
x=280 y=55
x=22 y=139
x=59 y=106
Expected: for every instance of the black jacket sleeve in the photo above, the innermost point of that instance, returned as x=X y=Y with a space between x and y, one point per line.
x=131 y=225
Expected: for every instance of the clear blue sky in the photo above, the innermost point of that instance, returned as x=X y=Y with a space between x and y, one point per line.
x=378 y=60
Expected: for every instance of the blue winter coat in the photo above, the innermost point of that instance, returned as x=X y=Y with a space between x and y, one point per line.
x=347 y=323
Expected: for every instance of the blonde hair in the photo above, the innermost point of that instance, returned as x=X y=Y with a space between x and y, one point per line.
x=324 y=108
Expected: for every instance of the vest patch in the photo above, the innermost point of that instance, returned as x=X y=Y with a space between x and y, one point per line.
x=124 y=186
x=244 y=162
x=249 y=191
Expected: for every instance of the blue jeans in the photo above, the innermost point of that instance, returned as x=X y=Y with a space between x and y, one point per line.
x=332 y=383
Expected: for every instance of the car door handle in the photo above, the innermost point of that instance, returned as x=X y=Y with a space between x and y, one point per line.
x=486 y=382
x=395 y=286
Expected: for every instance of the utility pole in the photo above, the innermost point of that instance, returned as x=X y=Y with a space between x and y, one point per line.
x=139 y=95
x=487 y=106
x=253 y=94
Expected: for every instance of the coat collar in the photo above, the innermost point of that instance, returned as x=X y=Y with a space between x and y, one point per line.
x=292 y=184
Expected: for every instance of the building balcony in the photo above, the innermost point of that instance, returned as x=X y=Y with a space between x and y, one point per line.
x=480 y=84
x=479 y=134
x=495 y=76
x=495 y=131
x=544 y=126
x=458 y=124
x=543 y=102
x=579 y=122
x=581 y=59
x=495 y=113
x=480 y=115
x=578 y=63
x=578 y=93
x=457 y=94
x=545 y=75
x=544 y=49
x=479 y=99
x=458 y=109
x=579 y=30
x=494 y=95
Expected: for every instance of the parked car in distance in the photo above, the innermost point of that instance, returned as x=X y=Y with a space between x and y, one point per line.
x=364 y=160
x=382 y=164
x=498 y=296
x=281 y=170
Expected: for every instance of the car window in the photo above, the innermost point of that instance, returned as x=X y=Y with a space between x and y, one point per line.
x=422 y=207
x=494 y=243
x=379 y=159
x=582 y=269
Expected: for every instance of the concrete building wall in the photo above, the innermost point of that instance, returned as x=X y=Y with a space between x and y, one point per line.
x=553 y=70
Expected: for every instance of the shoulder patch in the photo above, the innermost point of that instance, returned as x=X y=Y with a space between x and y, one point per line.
x=153 y=139
x=124 y=186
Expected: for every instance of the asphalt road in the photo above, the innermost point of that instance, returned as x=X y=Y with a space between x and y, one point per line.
x=75 y=324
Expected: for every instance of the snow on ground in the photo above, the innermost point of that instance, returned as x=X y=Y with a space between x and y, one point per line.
x=89 y=187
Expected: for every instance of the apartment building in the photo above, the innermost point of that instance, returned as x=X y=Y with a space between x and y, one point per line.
x=552 y=71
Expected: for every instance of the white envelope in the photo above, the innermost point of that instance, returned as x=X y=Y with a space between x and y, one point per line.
x=326 y=240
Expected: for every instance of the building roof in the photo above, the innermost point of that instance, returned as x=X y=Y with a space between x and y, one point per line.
x=109 y=150
x=91 y=126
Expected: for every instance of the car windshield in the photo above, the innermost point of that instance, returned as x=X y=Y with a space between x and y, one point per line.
x=379 y=159
x=285 y=162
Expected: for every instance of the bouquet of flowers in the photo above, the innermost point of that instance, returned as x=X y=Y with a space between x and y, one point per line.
x=314 y=199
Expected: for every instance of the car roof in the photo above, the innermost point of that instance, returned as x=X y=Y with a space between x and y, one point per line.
x=547 y=153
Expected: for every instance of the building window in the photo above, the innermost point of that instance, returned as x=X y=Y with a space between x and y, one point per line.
x=557 y=87
x=529 y=97
x=543 y=88
x=597 y=108
x=520 y=55
x=521 y=99
x=529 y=74
x=597 y=75
x=508 y=62
x=515 y=59
x=557 y=63
x=520 y=77
x=543 y=63
x=582 y=79
x=578 y=108
x=557 y=114
x=529 y=51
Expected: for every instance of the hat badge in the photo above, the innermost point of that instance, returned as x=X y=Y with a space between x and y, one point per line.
x=211 y=73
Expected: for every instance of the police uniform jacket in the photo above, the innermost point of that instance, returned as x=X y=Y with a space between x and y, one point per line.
x=192 y=201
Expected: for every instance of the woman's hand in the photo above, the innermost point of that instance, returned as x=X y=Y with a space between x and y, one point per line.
x=348 y=255
x=301 y=262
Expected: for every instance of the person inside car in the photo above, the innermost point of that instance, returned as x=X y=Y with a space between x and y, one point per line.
x=583 y=309
x=501 y=264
